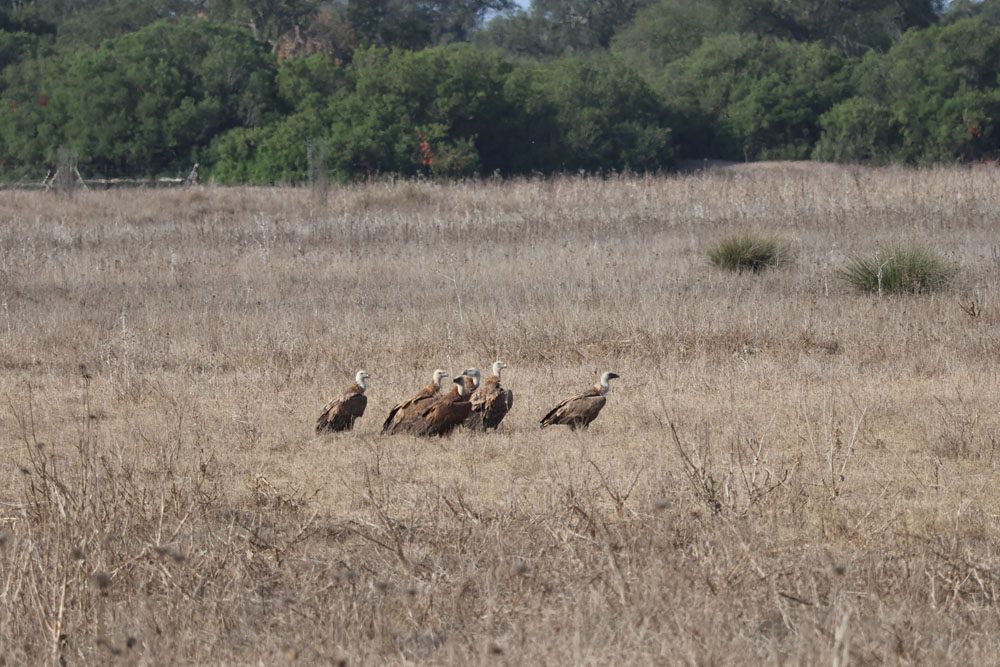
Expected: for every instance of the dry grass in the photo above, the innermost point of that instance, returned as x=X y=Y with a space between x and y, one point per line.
x=828 y=497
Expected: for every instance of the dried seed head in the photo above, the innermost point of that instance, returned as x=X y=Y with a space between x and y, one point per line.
x=662 y=503
x=76 y=553
x=520 y=566
x=4 y=536
x=495 y=649
x=840 y=570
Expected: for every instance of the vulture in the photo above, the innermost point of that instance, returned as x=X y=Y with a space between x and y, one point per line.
x=340 y=413
x=578 y=411
x=491 y=402
x=472 y=378
x=445 y=413
x=401 y=416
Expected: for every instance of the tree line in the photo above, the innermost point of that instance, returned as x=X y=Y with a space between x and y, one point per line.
x=456 y=88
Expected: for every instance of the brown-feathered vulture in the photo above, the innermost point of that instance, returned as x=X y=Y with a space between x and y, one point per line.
x=578 y=411
x=401 y=416
x=446 y=412
x=472 y=378
x=491 y=402
x=340 y=413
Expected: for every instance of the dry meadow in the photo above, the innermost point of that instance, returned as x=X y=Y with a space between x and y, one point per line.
x=788 y=472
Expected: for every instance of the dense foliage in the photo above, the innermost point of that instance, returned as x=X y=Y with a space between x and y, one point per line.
x=934 y=97
x=454 y=88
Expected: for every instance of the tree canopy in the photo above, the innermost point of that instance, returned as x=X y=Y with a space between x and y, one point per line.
x=456 y=88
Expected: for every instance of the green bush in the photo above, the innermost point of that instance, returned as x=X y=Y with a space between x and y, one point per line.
x=749 y=252
x=742 y=97
x=858 y=129
x=931 y=98
x=908 y=269
x=147 y=102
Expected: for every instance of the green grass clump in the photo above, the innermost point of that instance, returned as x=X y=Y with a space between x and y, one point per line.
x=909 y=269
x=748 y=252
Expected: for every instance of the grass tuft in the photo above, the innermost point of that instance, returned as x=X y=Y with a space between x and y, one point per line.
x=907 y=269
x=749 y=252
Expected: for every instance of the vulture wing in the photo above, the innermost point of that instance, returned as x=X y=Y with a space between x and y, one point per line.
x=499 y=407
x=576 y=411
x=489 y=406
x=407 y=409
x=444 y=415
x=340 y=413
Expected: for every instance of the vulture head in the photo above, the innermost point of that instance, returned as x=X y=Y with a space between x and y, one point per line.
x=439 y=376
x=460 y=381
x=474 y=374
x=362 y=379
x=498 y=366
x=606 y=378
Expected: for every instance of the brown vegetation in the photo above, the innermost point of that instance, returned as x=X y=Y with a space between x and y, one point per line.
x=788 y=471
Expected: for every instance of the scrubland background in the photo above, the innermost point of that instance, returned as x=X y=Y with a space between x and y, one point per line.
x=830 y=496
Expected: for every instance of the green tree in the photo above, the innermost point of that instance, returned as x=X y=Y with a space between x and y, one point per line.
x=554 y=28
x=267 y=20
x=80 y=23
x=447 y=98
x=416 y=24
x=987 y=10
x=595 y=115
x=454 y=111
x=941 y=85
x=145 y=102
x=858 y=130
x=31 y=125
x=743 y=97
x=22 y=33
x=276 y=153
x=670 y=29
x=310 y=82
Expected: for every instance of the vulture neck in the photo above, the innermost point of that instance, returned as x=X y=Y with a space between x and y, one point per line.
x=362 y=382
x=602 y=387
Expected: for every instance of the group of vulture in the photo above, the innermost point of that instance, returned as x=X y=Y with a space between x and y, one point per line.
x=472 y=403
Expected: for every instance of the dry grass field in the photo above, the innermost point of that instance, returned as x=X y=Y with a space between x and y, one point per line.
x=830 y=497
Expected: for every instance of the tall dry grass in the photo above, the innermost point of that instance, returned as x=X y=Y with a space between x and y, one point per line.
x=788 y=472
